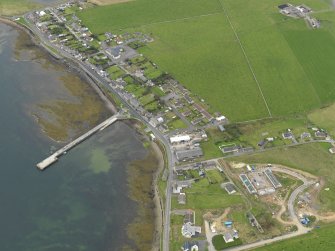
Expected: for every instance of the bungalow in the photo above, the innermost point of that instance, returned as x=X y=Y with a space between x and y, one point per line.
x=320 y=134
x=287 y=135
x=305 y=135
x=228 y=237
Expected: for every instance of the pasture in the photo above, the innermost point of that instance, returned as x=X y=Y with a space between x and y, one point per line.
x=274 y=65
x=12 y=7
x=317 y=239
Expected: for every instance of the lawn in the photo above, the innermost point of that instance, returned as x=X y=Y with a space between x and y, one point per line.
x=203 y=195
x=317 y=239
x=313 y=158
x=176 y=124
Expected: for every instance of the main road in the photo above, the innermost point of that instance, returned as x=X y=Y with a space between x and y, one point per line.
x=160 y=136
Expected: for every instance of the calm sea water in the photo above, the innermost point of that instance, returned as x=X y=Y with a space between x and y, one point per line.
x=81 y=202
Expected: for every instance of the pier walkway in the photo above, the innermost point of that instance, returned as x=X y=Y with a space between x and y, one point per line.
x=54 y=157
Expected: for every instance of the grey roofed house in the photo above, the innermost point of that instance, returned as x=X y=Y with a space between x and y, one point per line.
x=188 y=230
x=320 y=134
x=287 y=135
x=305 y=135
x=228 y=237
x=189 y=154
x=116 y=52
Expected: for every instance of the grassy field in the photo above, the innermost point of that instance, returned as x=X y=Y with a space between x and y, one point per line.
x=12 y=7
x=313 y=158
x=324 y=118
x=195 y=42
x=318 y=239
x=203 y=195
x=141 y=12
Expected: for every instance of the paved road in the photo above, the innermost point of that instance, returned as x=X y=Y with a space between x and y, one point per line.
x=169 y=154
x=209 y=236
x=301 y=229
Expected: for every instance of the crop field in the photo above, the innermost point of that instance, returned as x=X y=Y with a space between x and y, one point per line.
x=318 y=239
x=272 y=66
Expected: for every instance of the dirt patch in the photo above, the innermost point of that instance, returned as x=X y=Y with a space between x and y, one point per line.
x=237 y=165
x=218 y=222
x=108 y=2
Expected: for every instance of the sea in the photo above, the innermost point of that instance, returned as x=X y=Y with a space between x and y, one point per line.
x=81 y=203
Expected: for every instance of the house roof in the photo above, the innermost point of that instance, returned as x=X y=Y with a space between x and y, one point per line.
x=230 y=188
x=188 y=230
x=189 y=154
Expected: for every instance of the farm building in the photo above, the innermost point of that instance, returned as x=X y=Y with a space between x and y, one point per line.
x=220 y=118
x=230 y=188
x=272 y=178
x=180 y=139
x=189 y=154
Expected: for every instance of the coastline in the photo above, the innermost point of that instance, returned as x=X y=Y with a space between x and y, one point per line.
x=154 y=151
x=149 y=201
x=73 y=68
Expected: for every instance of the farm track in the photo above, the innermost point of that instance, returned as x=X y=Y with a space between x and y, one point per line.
x=246 y=58
x=179 y=19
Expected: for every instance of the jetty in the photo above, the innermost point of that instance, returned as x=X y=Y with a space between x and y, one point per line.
x=54 y=157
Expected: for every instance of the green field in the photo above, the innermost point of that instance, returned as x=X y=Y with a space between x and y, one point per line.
x=195 y=43
x=11 y=7
x=142 y=12
x=203 y=195
x=318 y=239
x=313 y=158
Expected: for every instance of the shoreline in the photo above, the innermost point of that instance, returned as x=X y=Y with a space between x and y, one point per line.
x=111 y=106
x=155 y=152
x=72 y=66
